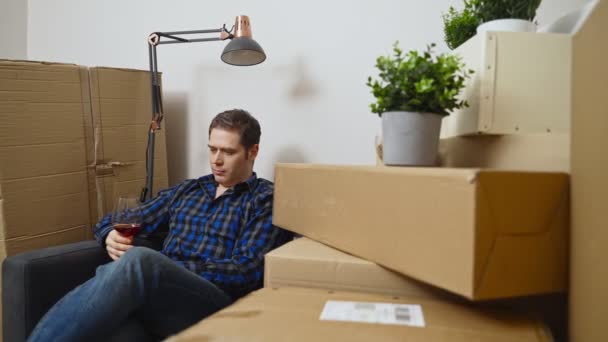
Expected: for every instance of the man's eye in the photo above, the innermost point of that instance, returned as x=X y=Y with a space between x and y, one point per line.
x=229 y=153
x=212 y=149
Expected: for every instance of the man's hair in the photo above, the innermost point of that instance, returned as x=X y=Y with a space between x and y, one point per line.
x=241 y=121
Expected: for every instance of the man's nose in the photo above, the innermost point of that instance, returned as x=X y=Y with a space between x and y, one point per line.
x=217 y=158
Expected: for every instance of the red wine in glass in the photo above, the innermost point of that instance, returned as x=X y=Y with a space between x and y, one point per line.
x=127 y=216
x=127 y=229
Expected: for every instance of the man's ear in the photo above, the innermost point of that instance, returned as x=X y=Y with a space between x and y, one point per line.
x=253 y=151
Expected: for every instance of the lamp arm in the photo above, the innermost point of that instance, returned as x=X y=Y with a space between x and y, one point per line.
x=154 y=39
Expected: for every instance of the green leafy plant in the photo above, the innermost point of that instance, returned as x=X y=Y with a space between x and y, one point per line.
x=418 y=82
x=514 y=9
x=459 y=26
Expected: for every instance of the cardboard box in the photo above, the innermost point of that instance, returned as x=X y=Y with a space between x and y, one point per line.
x=589 y=256
x=530 y=152
x=117 y=133
x=43 y=167
x=311 y=264
x=307 y=263
x=43 y=186
x=513 y=92
x=71 y=140
x=483 y=234
x=293 y=314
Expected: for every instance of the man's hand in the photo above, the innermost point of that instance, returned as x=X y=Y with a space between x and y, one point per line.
x=117 y=244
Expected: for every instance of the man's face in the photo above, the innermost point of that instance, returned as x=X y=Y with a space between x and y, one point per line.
x=230 y=162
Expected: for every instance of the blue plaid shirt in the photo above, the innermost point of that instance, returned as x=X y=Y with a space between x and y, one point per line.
x=223 y=240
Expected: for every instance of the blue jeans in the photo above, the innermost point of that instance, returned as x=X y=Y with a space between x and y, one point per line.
x=143 y=292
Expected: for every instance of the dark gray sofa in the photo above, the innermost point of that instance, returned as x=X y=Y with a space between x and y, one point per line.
x=33 y=281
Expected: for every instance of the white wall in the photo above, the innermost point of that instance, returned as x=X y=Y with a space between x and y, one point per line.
x=13 y=29
x=310 y=95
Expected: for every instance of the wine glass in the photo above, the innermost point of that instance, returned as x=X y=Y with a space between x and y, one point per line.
x=127 y=215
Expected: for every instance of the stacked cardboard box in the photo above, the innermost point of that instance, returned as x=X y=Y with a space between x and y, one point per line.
x=483 y=234
x=71 y=139
x=43 y=178
x=479 y=234
x=311 y=264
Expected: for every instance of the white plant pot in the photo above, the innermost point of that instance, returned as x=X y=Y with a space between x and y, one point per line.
x=507 y=25
x=410 y=138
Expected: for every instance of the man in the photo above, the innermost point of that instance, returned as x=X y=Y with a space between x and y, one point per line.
x=220 y=227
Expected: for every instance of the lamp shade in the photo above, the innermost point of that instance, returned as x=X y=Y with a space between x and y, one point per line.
x=243 y=51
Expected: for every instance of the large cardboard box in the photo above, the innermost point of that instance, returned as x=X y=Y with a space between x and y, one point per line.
x=483 y=234
x=43 y=184
x=311 y=264
x=43 y=166
x=294 y=314
x=588 y=277
x=307 y=263
x=117 y=133
x=71 y=139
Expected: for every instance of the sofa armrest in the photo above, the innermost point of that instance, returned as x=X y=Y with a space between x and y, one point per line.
x=33 y=281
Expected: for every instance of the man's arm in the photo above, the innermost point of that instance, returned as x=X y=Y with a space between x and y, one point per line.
x=244 y=270
x=155 y=213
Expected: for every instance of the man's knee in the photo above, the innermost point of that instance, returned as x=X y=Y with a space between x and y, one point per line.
x=138 y=255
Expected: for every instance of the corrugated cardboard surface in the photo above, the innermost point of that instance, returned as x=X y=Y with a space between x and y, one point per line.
x=307 y=263
x=43 y=187
x=43 y=166
x=71 y=139
x=531 y=152
x=292 y=314
x=56 y=238
x=61 y=127
x=121 y=114
x=482 y=234
x=589 y=276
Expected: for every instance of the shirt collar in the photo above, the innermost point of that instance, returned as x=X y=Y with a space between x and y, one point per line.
x=210 y=185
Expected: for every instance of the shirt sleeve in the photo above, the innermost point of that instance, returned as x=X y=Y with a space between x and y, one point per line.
x=155 y=213
x=243 y=272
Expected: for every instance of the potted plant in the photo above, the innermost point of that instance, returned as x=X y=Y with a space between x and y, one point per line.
x=507 y=15
x=459 y=26
x=415 y=91
x=488 y=15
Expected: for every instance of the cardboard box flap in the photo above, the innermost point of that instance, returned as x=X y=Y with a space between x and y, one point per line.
x=29 y=63
x=514 y=193
x=512 y=231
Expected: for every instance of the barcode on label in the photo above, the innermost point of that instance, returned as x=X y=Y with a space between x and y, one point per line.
x=378 y=313
x=402 y=314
